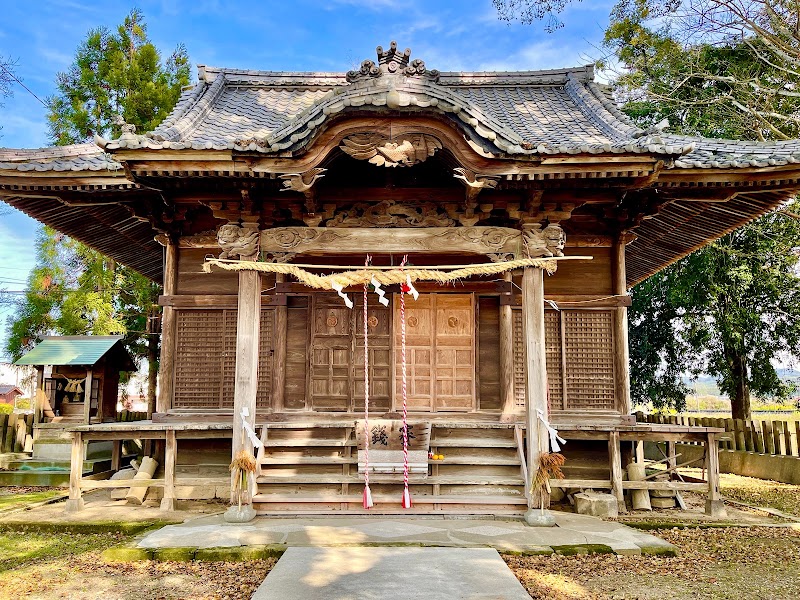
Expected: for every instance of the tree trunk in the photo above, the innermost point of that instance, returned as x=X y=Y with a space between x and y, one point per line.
x=152 y=372
x=740 y=399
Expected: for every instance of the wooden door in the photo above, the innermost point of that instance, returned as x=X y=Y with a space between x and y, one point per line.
x=419 y=353
x=440 y=353
x=331 y=354
x=455 y=352
x=380 y=355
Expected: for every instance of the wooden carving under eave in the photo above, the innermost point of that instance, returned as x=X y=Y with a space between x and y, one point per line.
x=547 y=242
x=379 y=150
x=238 y=242
x=475 y=183
x=302 y=182
x=388 y=213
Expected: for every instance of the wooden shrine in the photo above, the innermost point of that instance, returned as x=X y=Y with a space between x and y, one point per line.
x=315 y=171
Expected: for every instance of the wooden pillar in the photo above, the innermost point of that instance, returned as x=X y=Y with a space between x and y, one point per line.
x=116 y=455
x=507 y=391
x=75 y=501
x=170 y=453
x=535 y=372
x=38 y=407
x=279 y=363
x=166 y=372
x=715 y=507
x=247 y=345
x=615 y=464
x=621 y=352
x=87 y=397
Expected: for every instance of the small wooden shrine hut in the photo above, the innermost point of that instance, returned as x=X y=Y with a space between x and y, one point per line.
x=534 y=176
x=79 y=375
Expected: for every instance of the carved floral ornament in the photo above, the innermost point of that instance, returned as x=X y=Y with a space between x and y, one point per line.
x=391 y=61
x=378 y=149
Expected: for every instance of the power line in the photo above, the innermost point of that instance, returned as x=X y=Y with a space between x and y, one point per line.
x=14 y=77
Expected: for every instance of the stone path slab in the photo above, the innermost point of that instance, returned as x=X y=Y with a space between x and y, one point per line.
x=571 y=533
x=391 y=573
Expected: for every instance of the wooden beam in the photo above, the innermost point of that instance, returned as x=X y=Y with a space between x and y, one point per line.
x=166 y=373
x=621 y=353
x=199 y=301
x=279 y=357
x=360 y=240
x=87 y=397
x=75 y=502
x=507 y=391
x=615 y=461
x=170 y=454
x=715 y=507
x=247 y=346
x=535 y=372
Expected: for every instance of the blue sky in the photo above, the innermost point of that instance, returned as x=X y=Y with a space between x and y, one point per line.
x=328 y=35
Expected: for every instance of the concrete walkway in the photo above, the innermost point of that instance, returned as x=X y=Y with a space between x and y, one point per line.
x=574 y=533
x=390 y=573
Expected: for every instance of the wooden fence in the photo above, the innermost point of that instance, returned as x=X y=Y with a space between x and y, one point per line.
x=16 y=433
x=781 y=438
x=16 y=430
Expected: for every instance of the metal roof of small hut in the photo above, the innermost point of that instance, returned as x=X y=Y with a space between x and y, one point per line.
x=697 y=189
x=78 y=350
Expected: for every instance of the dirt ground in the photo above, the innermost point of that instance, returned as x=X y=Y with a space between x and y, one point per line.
x=62 y=559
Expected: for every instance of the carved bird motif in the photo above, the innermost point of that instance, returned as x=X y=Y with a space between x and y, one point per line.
x=301 y=182
x=378 y=151
x=472 y=180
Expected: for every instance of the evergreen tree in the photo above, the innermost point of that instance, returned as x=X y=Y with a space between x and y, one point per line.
x=74 y=289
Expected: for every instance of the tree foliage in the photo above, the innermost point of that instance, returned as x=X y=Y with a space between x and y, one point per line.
x=74 y=289
x=718 y=68
x=116 y=74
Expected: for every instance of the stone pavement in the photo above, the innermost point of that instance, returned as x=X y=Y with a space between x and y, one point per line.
x=573 y=533
x=381 y=573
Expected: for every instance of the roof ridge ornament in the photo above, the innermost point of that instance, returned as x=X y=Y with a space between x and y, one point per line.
x=392 y=62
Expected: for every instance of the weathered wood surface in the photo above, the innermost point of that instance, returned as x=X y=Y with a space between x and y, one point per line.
x=535 y=372
x=170 y=458
x=75 y=502
x=507 y=384
x=354 y=240
x=247 y=347
x=166 y=373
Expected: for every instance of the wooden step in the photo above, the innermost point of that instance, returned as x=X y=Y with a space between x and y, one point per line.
x=289 y=443
x=418 y=499
x=448 y=460
x=474 y=443
x=398 y=478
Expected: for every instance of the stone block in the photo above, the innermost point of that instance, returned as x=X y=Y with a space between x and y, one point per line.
x=662 y=493
x=663 y=502
x=556 y=494
x=596 y=504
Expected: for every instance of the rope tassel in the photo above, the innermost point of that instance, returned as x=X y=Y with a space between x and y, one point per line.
x=404 y=289
x=367 y=499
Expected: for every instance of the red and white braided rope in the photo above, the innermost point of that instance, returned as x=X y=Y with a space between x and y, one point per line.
x=367 y=494
x=406 y=495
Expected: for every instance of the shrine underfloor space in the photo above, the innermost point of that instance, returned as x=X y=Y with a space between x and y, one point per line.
x=573 y=533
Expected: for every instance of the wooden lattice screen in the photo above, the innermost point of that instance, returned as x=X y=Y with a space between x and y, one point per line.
x=583 y=342
x=205 y=362
x=552 y=341
x=589 y=357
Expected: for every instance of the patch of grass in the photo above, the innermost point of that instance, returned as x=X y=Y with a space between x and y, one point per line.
x=13 y=501
x=21 y=546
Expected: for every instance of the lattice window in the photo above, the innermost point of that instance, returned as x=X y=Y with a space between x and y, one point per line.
x=552 y=342
x=519 y=361
x=589 y=354
x=200 y=345
x=205 y=362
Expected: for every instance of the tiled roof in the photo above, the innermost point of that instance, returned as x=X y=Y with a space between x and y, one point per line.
x=5 y=389
x=507 y=113
x=78 y=157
